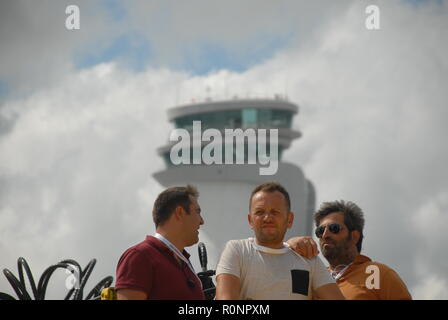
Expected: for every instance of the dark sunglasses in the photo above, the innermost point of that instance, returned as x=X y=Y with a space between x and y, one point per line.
x=333 y=227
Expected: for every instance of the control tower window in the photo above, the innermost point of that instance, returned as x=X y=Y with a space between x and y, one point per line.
x=217 y=120
x=264 y=118
x=249 y=118
x=167 y=160
x=281 y=118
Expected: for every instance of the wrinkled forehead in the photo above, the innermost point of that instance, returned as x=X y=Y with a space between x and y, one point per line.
x=269 y=198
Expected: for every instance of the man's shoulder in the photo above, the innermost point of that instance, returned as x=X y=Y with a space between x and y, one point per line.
x=310 y=261
x=233 y=257
x=366 y=261
x=240 y=243
x=239 y=246
x=384 y=269
x=149 y=246
x=380 y=265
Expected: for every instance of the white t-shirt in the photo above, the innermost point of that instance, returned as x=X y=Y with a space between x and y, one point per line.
x=271 y=274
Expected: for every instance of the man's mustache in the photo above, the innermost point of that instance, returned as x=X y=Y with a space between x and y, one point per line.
x=268 y=225
x=328 y=240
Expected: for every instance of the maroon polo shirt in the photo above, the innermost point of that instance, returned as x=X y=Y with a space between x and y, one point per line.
x=151 y=267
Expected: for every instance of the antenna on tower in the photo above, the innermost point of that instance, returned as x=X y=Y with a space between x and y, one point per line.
x=226 y=89
x=177 y=93
x=207 y=94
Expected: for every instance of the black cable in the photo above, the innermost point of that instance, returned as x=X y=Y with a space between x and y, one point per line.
x=21 y=262
x=45 y=278
x=39 y=292
x=16 y=285
x=96 y=292
x=5 y=296
x=84 y=277
x=78 y=275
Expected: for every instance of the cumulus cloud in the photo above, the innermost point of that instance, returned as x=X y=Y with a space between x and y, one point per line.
x=373 y=128
x=76 y=165
x=76 y=155
x=37 y=48
x=183 y=33
x=430 y=243
x=431 y=288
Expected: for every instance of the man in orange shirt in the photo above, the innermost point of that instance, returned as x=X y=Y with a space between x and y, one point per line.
x=339 y=228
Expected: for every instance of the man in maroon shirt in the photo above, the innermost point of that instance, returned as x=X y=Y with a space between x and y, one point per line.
x=159 y=267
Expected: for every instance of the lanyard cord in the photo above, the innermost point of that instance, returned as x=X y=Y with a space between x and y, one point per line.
x=337 y=275
x=177 y=253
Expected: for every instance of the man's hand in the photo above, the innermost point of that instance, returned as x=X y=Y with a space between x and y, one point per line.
x=305 y=246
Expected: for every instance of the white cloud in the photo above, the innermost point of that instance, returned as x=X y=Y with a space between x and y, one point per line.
x=431 y=288
x=430 y=243
x=76 y=162
x=38 y=50
x=177 y=31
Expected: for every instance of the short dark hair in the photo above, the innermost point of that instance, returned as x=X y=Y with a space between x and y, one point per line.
x=353 y=216
x=169 y=199
x=271 y=187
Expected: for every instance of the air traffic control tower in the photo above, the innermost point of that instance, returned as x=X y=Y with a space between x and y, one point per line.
x=225 y=188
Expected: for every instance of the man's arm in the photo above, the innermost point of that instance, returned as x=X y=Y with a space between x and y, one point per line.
x=328 y=291
x=128 y=294
x=305 y=246
x=134 y=276
x=227 y=287
x=228 y=270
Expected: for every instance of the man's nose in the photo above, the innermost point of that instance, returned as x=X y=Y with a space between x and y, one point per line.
x=268 y=216
x=326 y=233
x=201 y=222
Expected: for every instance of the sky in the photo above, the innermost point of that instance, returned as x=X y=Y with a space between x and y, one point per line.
x=82 y=113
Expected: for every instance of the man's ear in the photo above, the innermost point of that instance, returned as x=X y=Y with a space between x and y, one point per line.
x=355 y=236
x=290 y=219
x=249 y=219
x=178 y=213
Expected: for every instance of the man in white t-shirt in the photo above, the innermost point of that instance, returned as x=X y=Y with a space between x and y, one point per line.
x=264 y=268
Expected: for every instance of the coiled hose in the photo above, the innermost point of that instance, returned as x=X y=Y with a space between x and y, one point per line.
x=39 y=291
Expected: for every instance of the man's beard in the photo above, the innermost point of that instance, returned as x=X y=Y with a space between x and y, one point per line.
x=339 y=250
x=269 y=237
x=272 y=237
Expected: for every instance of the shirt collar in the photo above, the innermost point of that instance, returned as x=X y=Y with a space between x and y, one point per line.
x=359 y=259
x=162 y=247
